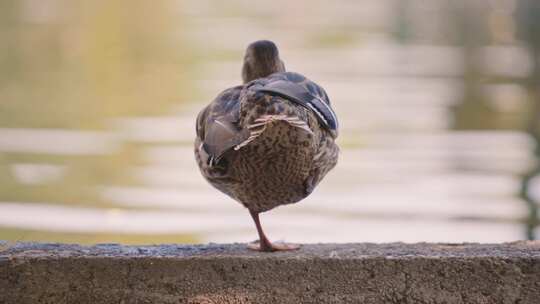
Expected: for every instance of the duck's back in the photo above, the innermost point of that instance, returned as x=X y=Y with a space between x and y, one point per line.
x=263 y=147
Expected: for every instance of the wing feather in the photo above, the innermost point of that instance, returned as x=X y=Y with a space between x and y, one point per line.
x=217 y=125
x=304 y=92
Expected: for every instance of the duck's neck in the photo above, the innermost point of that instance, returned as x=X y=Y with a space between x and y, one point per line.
x=252 y=71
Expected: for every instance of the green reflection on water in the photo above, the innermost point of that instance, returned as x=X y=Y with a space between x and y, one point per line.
x=86 y=62
x=21 y=235
x=78 y=65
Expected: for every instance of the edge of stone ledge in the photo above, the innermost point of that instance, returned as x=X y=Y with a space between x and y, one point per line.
x=518 y=249
x=229 y=273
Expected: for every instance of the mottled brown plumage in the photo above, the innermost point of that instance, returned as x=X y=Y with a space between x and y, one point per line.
x=267 y=142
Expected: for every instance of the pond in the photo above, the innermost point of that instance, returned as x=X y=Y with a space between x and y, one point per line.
x=439 y=110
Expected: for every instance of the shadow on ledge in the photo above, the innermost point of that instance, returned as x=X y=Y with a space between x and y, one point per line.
x=321 y=273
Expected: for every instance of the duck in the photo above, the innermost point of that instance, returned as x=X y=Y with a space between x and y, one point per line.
x=269 y=141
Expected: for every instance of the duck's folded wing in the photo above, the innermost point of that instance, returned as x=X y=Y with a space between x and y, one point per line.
x=217 y=125
x=222 y=135
x=299 y=93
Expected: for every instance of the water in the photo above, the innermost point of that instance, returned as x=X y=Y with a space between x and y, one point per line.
x=96 y=137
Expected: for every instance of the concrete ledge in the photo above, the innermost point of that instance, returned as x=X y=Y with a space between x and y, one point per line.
x=325 y=273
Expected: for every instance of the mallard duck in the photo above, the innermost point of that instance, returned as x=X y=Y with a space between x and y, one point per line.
x=269 y=141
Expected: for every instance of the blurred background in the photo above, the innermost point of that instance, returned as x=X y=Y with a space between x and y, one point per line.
x=439 y=104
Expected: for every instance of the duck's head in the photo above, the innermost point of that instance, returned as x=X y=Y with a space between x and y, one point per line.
x=261 y=60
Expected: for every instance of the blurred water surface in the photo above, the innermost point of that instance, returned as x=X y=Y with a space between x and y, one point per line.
x=439 y=107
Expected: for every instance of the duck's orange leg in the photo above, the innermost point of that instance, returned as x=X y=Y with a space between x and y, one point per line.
x=264 y=244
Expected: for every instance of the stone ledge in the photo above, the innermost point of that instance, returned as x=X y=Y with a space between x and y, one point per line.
x=322 y=273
